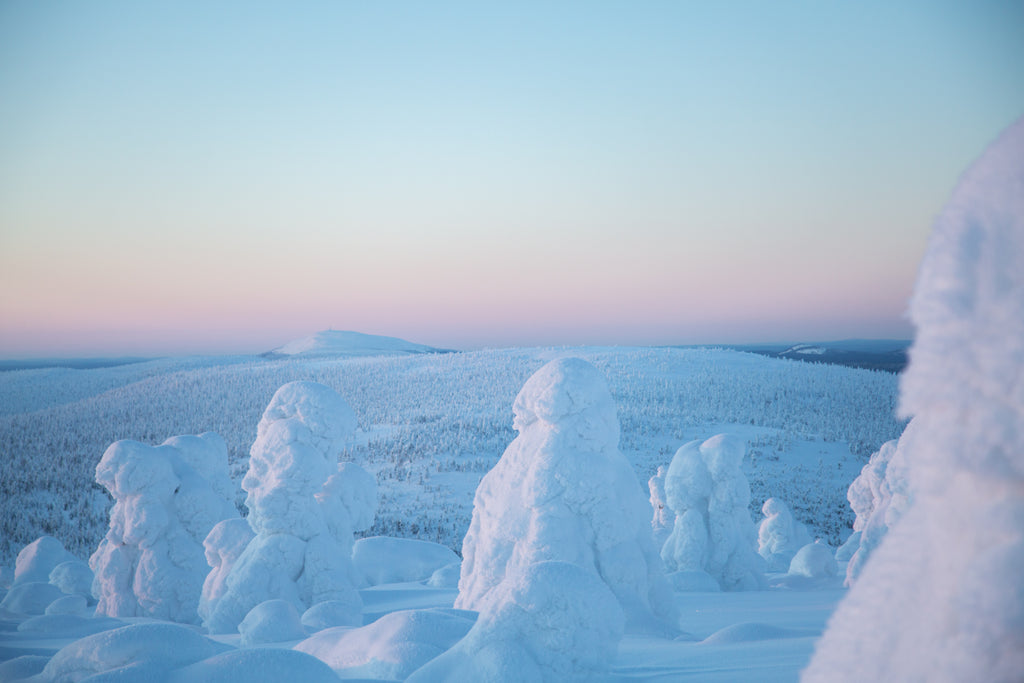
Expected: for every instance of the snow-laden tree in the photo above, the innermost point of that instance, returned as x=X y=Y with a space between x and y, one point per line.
x=166 y=499
x=941 y=599
x=562 y=491
x=713 y=532
x=302 y=511
x=661 y=522
x=780 y=535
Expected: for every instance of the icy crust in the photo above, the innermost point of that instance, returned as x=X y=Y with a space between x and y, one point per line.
x=301 y=512
x=780 y=535
x=151 y=562
x=941 y=598
x=553 y=622
x=713 y=532
x=562 y=491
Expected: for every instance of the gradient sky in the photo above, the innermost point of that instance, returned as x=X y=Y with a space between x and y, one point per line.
x=182 y=177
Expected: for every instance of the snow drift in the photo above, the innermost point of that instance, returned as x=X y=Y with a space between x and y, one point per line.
x=941 y=599
x=562 y=491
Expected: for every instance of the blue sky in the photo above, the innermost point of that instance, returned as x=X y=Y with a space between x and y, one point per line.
x=212 y=177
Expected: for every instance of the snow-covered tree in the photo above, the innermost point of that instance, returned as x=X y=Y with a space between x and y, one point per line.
x=713 y=532
x=780 y=535
x=941 y=598
x=661 y=522
x=166 y=499
x=562 y=491
x=298 y=510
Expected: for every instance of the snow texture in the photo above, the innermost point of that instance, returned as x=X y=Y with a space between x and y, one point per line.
x=555 y=621
x=879 y=497
x=382 y=559
x=713 y=532
x=256 y=665
x=332 y=613
x=151 y=562
x=223 y=546
x=392 y=647
x=661 y=523
x=73 y=577
x=69 y=604
x=942 y=599
x=37 y=559
x=814 y=560
x=780 y=535
x=271 y=621
x=32 y=597
x=301 y=516
x=562 y=491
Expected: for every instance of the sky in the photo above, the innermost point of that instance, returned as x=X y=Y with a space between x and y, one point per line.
x=222 y=177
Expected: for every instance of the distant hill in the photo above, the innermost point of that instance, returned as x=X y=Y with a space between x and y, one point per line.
x=338 y=343
x=873 y=354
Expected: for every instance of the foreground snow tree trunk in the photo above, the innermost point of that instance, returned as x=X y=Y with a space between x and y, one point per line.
x=942 y=598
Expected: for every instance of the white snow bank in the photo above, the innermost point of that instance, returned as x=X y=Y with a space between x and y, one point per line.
x=780 y=535
x=562 y=491
x=69 y=604
x=382 y=559
x=332 y=613
x=713 y=532
x=30 y=598
x=814 y=560
x=302 y=549
x=144 y=647
x=446 y=577
x=391 y=647
x=256 y=665
x=67 y=625
x=271 y=621
x=73 y=577
x=22 y=667
x=553 y=622
x=38 y=558
x=941 y=599
x=749 y=631
x=345 y=343
x=151 y=561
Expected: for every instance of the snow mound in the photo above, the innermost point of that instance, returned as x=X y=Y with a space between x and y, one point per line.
x=30 y=598
x=256 y=665
x=22 y=667
x=562 y=491
x=941 y=598
x=446 y=577
x=271 y=621
x=151 y=561
x=344 y=343
x=73 y=577
x=69 y=604
x=302 y=548
x=713 y=532
x=553 y=622
x=382 y=559
x=780 y=535
x=752 y=631
x=67 y=625
x=815 y=561
x=332 y=613
x=38 y=558
x=392 y=647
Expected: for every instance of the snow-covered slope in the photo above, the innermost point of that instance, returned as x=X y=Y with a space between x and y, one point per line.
x=345 y=343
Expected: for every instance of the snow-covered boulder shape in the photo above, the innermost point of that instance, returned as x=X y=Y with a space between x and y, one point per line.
x=713 y=532
x=38 y=558
x=302 y=548
x=255 y=665
x=553 y=622
x=332 y=613
x=780 y=535
x=271 y=621
x=382 y=559
x=661 y=522
x=562 y=491
x=151 y=562
x=815 y=561
x=32 y=597
x=879 y=497
x=73 y=577
x=941 y=599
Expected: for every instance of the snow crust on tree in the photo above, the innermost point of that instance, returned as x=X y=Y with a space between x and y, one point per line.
x=780 y=535
x=300 y=509
x=563 y=491
x=713 y=531
x=814 y=560
x=555 y=621
x=879 y=497
x=382 y=559
x=271 y=621
x=151 y=561
x=73 y=577
x=222 y=547
x=941 y=598
x=37 y=559
x=661 y=522
x=392 y=647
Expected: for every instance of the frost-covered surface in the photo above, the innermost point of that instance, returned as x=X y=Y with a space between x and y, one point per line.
x=713 y=533
x=382 y=559
x=434 y=424
x=780 y=535
x=554 y=621
x=562 y=491
x=298 y=554
x=167 y=498
x=879 y=497
x=941 y=598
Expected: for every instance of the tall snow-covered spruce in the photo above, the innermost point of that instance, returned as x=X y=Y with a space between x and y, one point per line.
x=299 y=511
x=942 y=597
x=563 y=492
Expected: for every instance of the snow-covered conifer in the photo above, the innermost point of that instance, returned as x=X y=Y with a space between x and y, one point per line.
x=661 y=522
x=780 y=535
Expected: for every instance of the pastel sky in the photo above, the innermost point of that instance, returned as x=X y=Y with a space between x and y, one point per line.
x=194 y=177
